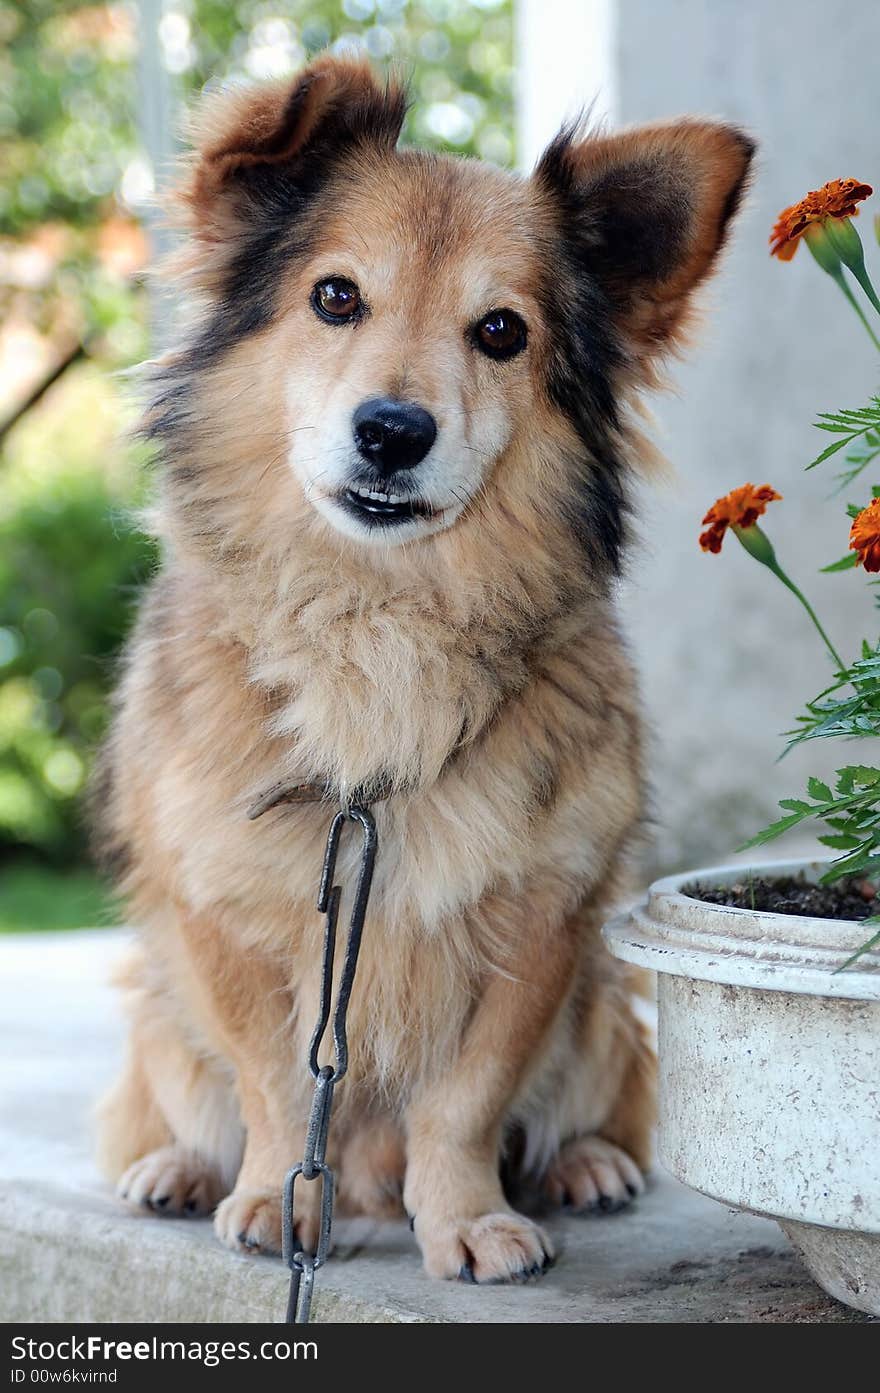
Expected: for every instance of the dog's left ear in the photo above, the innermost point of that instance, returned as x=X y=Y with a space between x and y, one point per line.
x=260 y=151
x=644 y=214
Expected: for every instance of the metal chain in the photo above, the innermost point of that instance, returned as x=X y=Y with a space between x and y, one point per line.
x=313 y=1166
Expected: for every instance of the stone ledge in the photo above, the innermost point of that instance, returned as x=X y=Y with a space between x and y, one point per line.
x=70 y=1252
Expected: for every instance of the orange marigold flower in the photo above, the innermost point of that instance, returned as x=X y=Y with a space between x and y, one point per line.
x=740 y=508
x=864 y=536
x=837 y=199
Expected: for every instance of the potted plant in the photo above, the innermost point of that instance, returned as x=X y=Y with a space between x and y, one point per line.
x=769 y=978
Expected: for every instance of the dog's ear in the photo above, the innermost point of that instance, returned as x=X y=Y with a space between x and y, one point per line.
x=644 y=214
x=255 y=147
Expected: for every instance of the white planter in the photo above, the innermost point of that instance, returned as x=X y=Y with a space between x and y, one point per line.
x=769 y=1067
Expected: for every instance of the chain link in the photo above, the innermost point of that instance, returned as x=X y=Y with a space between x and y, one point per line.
x=313 y=1167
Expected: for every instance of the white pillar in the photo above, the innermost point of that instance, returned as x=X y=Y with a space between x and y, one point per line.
x=727 y=657
x=565 y=59
x=156 y=128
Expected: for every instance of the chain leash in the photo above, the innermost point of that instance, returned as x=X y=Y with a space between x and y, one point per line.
x=313 y=1167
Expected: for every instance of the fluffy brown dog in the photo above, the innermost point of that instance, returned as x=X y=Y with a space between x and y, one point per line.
x=394 y=459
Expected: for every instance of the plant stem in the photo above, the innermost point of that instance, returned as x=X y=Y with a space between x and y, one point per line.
x=864 y=281
x=839 y=237
x=780 y=574
x=838 y=276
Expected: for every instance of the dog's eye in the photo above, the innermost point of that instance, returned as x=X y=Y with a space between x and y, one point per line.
x=336 y=299
x=500 y=334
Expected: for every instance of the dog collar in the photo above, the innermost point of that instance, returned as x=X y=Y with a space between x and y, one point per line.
x=363 y=795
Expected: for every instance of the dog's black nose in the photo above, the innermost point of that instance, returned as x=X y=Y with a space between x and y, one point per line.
x=393 y=434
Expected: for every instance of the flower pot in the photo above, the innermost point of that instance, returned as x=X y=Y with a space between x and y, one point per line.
x=769 y=1067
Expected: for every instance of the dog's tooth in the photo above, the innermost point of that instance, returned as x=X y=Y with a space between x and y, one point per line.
x=376 y=495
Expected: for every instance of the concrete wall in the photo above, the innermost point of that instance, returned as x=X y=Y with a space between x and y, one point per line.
x=727 y=658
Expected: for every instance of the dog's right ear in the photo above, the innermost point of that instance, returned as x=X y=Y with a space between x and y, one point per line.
x=261 y=149
x=643 y=215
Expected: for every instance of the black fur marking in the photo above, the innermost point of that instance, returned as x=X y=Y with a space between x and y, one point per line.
x=277 y=234
x=587 y=355
x=598 y=514
x=620 y=233
x=579 y=382
x=167 y=412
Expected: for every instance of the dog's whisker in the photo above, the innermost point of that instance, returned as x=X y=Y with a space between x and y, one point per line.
x=309 y=488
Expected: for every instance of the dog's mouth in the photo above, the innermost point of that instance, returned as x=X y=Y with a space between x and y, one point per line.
x=376 y=508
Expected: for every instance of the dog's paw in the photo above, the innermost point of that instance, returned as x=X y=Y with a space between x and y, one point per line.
x=172 y=1181
x=503 y=1247
x=591 y=1174
x=249 y=1221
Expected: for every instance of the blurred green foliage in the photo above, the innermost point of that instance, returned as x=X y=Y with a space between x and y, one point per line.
x=67 y=117
x=74 y=185
x=68 y=898
x=456 y=54
x=68 y=110
x=70 y=563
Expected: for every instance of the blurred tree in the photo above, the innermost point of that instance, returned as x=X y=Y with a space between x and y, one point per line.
x=68 y=573
x=74 y=186
x=456 y=54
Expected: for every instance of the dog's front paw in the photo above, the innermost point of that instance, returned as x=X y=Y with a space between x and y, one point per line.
x=501 y=1247
x=172 y=1181
x=591 y=1174
x=250 y=1221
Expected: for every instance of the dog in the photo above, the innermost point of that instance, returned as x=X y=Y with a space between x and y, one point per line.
x=395 y=448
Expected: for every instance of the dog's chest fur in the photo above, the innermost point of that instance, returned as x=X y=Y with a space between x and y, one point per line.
x=493 y=834
x=508 y=760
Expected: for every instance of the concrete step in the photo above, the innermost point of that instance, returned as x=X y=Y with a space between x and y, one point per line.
x=70 y=1252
